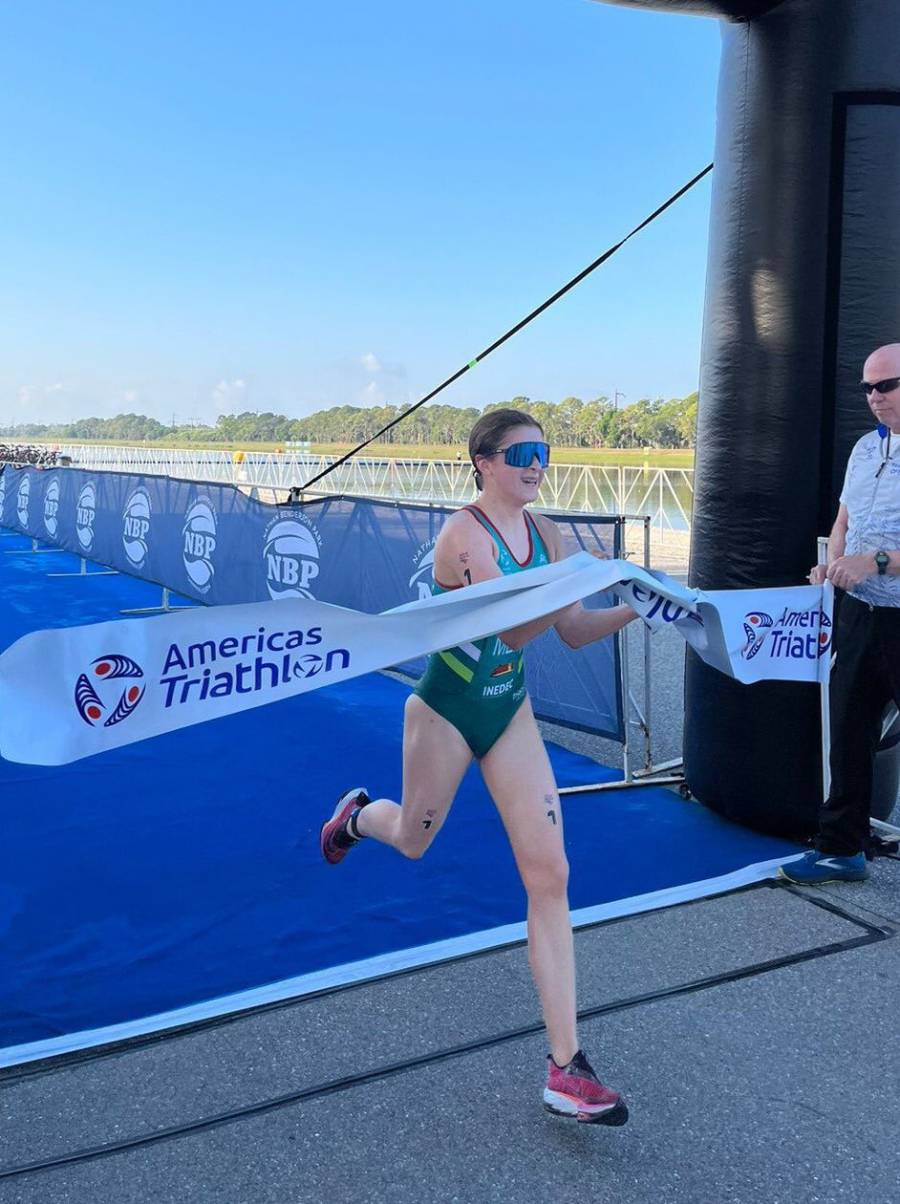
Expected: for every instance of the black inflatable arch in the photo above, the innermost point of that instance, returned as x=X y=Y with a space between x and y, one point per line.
x=804 y=265
x=733 y=10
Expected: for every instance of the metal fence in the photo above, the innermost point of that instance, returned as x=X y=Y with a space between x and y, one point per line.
x=664 y=494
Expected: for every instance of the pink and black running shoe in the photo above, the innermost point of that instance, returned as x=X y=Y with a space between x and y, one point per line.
x=335 y=840
x=575 y=1091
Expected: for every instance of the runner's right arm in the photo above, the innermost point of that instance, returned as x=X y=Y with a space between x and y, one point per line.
x=575 y=625
x=464 y=555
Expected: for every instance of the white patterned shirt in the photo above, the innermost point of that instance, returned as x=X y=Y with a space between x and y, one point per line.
x=873 y=506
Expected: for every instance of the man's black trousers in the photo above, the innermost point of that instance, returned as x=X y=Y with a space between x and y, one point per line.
x=864 y=679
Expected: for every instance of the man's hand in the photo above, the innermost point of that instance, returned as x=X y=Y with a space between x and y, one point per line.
x=849 y=571
x=817 y=574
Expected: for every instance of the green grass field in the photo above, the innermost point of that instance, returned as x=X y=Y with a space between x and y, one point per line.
x=636 y=456
x=655 y=457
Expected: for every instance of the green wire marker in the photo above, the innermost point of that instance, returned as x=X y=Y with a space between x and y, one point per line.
x=472 y=364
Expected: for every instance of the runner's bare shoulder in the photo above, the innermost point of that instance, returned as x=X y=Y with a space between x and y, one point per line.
x=462 y=545
x=549 y=533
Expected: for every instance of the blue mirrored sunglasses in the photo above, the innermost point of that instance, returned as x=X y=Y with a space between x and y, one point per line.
x=522 y=455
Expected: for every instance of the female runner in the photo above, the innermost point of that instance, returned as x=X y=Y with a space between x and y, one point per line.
x=456 y=713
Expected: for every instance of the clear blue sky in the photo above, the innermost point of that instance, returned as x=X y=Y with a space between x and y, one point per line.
x=217 y=206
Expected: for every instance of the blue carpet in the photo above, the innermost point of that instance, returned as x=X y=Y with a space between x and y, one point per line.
x=187 y=867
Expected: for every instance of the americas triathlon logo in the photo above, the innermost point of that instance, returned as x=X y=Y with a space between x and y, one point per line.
x=423 y=570
x=51 y=507
x=291 y=557
x=795 y=635
x=199 y=543
x=85 y=512
x=22 y=498
x=136 y=527
x=248 y=663
x=98 y=701
x=194 y=675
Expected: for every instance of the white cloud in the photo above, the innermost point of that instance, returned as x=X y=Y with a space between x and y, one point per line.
x=372 y=395
x=41 y=403
x=230 y=392
x=68 y=400
x=368 y=380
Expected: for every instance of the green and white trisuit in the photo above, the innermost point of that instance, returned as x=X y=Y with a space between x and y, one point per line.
x=479 y=686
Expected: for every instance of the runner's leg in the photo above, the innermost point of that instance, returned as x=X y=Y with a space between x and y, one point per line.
x=435 y=757
x=518 y=775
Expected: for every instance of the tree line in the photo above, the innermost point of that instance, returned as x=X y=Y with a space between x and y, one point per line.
x=568 y=423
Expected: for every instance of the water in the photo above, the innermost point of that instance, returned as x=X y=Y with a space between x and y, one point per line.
x=664 y=494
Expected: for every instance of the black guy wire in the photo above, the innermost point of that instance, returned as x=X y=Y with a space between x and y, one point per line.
x=514 y=329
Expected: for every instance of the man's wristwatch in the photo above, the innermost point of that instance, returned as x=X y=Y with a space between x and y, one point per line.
x=882 y=560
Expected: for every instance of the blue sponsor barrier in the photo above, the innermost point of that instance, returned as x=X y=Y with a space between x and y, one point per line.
x=214 y=544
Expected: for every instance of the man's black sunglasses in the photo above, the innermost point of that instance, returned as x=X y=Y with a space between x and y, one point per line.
x=883 y=386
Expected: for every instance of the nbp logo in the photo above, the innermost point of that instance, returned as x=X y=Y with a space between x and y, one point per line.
x=51 y=507
x=22 y=500
x=423 y=570
x=96 y=701
x=757 y=625
x=199 y=535
x=85 y=510
x=135 y=526
x=291 y=556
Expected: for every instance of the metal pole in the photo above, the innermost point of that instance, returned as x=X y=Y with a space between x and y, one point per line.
x=824 y=696
x=670 y=779
x=32 y=551
x=164 y=608
x=648 y=758
x=83 y=572
x=625 y=675
x=825 y=674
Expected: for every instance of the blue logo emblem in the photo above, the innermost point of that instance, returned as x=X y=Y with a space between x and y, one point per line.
x=96 y=702
x=757 y=625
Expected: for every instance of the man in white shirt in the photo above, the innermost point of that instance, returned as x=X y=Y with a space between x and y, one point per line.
x=864 y=560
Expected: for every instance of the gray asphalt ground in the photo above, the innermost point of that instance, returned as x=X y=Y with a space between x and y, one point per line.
x=752 y=1034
